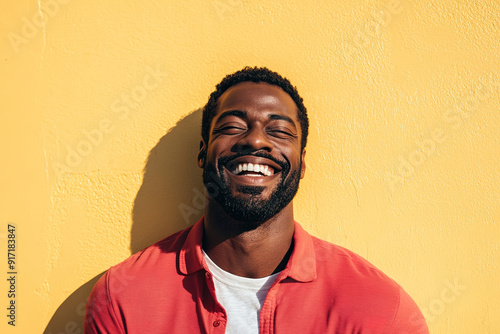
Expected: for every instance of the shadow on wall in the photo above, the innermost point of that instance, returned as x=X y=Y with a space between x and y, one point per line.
x=172 y=188
x=170 y=199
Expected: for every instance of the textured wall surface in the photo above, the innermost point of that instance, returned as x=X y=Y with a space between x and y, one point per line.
x=99 y=117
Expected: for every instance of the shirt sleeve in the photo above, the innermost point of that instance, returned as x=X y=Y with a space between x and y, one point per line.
x=100 y=315
x=408 y=319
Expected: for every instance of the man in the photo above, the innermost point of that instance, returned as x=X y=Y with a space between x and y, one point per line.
x=247 y=266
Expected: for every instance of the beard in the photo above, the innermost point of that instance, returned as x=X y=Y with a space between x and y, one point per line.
x=251 y=210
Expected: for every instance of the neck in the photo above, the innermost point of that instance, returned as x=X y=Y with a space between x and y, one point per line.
x=248 y=249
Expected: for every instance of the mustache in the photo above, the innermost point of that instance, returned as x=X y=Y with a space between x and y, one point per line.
x=284 y=165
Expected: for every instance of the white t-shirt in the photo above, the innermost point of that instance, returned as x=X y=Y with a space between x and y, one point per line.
x=241 y=297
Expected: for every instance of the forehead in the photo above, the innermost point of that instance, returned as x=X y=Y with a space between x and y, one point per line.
x=257 y=97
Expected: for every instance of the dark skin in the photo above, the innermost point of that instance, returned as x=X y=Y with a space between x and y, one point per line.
x=252 y=117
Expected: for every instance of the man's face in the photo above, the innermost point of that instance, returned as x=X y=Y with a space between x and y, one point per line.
x=253 y=161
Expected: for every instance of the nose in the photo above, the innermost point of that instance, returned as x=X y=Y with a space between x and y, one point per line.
x=255 y=139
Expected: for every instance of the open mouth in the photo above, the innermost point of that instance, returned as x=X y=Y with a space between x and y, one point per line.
x=255 y=170
x=253 y=167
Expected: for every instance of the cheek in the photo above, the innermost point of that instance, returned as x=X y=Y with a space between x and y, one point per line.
x=292 y=155
x=215 y=151
x=212 y=149
x=223 y=144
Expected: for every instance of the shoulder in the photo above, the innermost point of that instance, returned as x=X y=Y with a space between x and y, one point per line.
x=161 y=256
x=342 y=264
x=362 y=288
x=353 y=279
x=142 y=268
x=126 y=285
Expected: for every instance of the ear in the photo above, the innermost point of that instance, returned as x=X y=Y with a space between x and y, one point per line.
x=303 y=169
x=202 y=154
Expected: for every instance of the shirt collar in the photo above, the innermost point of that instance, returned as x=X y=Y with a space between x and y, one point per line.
x=302 y=262
x=301 y=265
x=191 y=255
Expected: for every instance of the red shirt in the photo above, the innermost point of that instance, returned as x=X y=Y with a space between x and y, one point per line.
x=167 y=288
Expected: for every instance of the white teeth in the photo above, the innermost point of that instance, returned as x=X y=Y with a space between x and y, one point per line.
x=256 y=168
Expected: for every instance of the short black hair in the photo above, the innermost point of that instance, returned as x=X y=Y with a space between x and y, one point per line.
x=254 y=74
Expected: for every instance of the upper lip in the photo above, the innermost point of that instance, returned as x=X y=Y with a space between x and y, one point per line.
x=253 y=160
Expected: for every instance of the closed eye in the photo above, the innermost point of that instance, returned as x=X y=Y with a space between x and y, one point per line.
x=279 y=133
x=229 y=130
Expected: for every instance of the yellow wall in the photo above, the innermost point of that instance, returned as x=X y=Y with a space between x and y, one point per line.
x=402 y=158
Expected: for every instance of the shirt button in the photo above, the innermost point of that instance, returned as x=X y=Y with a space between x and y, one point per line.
x=216 y=323
x=207 y=274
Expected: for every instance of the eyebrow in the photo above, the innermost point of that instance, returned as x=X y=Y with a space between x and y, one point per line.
x=237 y=113
x=243 y=114
x=282 y=118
